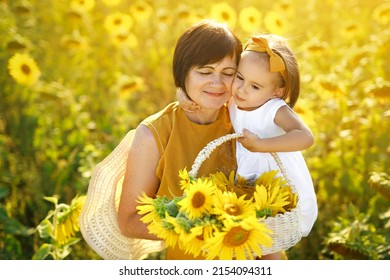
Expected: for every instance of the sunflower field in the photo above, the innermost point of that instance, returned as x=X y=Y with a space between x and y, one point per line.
x=76 y=75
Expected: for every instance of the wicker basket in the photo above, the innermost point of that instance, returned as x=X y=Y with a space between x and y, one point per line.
x=286 y=227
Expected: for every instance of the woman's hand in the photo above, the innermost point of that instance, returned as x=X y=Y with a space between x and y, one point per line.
x=187 y=104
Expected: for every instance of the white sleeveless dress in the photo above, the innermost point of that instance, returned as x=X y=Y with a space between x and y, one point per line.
x=251 y=165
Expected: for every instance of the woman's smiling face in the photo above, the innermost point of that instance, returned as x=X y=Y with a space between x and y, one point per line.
x=210 y=85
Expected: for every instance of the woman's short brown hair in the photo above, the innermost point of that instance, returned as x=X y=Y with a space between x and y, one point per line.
x=204 y=43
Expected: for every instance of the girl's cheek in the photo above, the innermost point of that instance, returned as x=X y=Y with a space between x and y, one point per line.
x=236 y=84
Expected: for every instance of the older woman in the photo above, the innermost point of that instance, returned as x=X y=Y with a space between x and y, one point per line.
x=204 y=65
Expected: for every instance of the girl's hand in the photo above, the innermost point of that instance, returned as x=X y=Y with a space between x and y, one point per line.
x=297 y=136
x=250 y=140
x=187 y=104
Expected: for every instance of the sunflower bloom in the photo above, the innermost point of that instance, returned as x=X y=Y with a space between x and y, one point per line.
x=351 y=29
x=163 y=17
x=329 y=85
x=123 y=40
x=194 y=241
x=284 y=7
x=64 y=229
x=315 y=47
x=250 y=19
x=277 y=200
x=198 y=199
x=292 y=198
x=141 y=10
x=74 y=42
x=61 y=233
x=222 y=182
x=239 y=239
x=270 y=178
x=214 y=220
x=148 y=209
x=126 y=86
x=380 y=181
x=261 y=202
x=165 y=230
x=224 y=13
x=67 y=224
x=184 y=13
x=381 y=13
x=228 y=205
x=23 y=69
x=273 y=200
x=76 y=206
x=17 y=43
x=275 y=22
x=118 y=23
x=82 y=5
x=185 y=179
x=241 y=181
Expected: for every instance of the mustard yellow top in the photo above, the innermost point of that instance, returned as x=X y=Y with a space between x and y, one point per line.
x=179 y=141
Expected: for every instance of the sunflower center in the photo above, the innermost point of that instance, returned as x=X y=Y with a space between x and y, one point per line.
x=236 y=236
x=200 y=237
x=198 y=200
x=118 y=21
x=225 y=16
x=231 y=209
x=129 y=86
x=25 y=69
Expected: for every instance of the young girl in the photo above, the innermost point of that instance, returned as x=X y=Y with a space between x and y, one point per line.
x=265 y=89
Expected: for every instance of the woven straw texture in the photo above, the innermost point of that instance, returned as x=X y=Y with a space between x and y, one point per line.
x=286 y=227
x=98 y=219
x=286 y=230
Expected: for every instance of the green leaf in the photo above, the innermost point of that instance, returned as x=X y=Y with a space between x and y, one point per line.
x=3 y=215
x=45 y=229
x=12 y=249
x=3 y=192
x=66 y=250
x=42 y=252
x=13 y=226
x=52 y=199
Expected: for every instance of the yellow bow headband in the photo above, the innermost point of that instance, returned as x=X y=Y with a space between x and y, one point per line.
x=276 y=63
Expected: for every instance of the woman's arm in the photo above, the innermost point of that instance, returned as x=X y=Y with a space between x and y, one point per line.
x=298 y=135
x=140 y=177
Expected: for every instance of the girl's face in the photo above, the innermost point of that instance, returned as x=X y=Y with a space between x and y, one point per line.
x=254 y=83
x=210 y=85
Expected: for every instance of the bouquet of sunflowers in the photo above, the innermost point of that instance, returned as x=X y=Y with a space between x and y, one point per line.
x=225 y=217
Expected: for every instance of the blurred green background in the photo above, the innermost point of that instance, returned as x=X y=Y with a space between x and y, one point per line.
x=77 y=75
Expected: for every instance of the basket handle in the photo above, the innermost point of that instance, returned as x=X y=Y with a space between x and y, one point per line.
x=211 y=146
